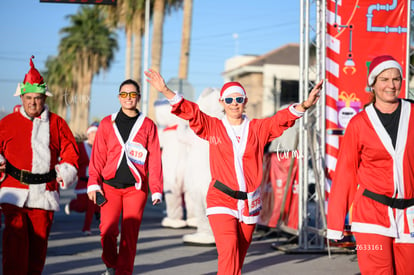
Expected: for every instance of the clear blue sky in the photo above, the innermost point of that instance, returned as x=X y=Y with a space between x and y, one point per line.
x=32 y=28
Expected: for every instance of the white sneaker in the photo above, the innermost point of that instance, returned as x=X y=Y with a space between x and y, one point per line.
x=199 y=238
x=172 y=223
x=192 y=222
x=87 y=233
x=67 y=209
x=109 y=271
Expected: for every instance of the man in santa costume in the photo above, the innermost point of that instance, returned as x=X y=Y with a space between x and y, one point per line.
x=374 y=177
x=38 y=153
x=236 y=156
x=82 y=203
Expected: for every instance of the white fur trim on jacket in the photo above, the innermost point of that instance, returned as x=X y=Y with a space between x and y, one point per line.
x=39 y=197
x=40 y=141
x=156 y=196
x=94 y=187
x=177 y=98
x=334 y=234
x=34 y=197
x=67 y=173
x=293 y=110
x=232 y=212
x=2 y=159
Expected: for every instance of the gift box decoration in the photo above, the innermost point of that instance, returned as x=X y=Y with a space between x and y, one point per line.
x=347 y=105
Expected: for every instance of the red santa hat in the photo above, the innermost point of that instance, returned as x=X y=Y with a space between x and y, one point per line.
x=230 y=88
x=32 y=83
x=92 y=128
x=379 y=64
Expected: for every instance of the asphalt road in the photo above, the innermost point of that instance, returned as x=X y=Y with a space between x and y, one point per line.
x=162 y=251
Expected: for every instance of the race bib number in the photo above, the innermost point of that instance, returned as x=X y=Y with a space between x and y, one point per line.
x=254 y=201
x=410 y=219
x=137 y=153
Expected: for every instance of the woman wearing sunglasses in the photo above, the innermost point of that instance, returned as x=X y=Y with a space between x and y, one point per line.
x=125 y=162
x=236 y=156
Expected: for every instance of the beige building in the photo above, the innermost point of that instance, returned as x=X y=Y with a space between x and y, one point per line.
x=271 y=80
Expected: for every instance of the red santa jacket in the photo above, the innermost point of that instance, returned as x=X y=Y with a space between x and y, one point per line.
x=236 y=164
x=83 y=171
x=108 y=149
x=38 y=146
x=368 y=160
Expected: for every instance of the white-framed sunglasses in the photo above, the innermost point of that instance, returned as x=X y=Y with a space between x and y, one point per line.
x=230 y=100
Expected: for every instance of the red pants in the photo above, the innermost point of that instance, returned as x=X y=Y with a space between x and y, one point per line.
x=233 y=238
x=25 y=239
x=130 y=202
x=381 y=255
x=83 y=204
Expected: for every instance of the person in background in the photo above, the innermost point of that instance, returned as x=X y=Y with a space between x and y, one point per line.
x=125 y=163
x=236 y=156
x=173 y=157
x=38 y=153
x=374 y=177
x=82 y=203
x=198 y=177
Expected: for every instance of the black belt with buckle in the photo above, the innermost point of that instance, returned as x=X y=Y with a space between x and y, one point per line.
x=28 y=177
x=240 y=195
x=391 y=202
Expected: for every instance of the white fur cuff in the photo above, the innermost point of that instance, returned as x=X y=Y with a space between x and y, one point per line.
x=177 y=98
x=334 y=234
x=293 y=110
x=156 y=196
x=67 y=173
x=2 y=159
x=93 y=187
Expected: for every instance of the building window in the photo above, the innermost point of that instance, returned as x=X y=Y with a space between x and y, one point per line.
x=290 y=92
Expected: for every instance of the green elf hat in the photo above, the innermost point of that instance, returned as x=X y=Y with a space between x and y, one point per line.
x=32 y=83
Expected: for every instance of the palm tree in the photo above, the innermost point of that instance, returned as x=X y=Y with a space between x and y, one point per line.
x=59 y=80
x=91 y=43
x=159 y=9
x=129 y=14
x=138 y=29
x=156 y=49
x=185 y=40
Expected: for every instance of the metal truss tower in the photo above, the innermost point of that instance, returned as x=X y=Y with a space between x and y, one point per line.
x=312 y=137
x=312 y=220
